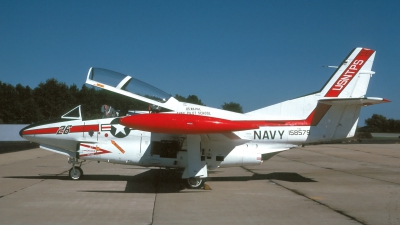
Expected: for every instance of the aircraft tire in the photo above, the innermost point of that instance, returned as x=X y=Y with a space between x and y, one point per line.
x=194 y=183
x=78 y=175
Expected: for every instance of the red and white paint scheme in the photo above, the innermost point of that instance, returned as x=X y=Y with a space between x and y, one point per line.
x=197 y=138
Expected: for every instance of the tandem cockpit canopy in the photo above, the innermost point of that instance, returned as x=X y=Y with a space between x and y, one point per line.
x=124 y=84
x=106 y=111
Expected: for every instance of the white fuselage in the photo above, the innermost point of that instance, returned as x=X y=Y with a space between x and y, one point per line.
x=100 y=140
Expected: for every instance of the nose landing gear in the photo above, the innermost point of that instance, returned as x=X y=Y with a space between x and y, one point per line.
x=75 y=173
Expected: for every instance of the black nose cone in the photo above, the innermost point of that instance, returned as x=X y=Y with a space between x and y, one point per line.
x=21 y=132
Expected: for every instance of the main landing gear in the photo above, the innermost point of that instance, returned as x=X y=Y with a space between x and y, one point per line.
x=195 y=183
x=75 y=173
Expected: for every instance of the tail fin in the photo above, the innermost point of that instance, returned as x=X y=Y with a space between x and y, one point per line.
x=350 y=80
x=333 y=110
x=352 y=76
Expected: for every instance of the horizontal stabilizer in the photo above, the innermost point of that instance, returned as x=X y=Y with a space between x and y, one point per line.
x=353 y=101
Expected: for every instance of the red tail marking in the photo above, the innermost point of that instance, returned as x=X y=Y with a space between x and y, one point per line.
x=349 y=72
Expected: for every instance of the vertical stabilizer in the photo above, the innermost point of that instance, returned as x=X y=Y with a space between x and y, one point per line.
x=351 y=79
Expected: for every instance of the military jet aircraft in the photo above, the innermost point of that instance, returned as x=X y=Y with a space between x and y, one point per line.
x=195 y=138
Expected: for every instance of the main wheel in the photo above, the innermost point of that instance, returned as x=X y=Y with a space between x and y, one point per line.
x=77 y=174
x=194 y=183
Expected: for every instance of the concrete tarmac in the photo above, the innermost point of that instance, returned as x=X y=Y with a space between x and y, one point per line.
x=322 y=184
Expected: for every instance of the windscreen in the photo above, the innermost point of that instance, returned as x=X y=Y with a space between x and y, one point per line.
x=128 y=83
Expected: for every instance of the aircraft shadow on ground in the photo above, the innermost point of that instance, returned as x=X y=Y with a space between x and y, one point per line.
x=282 y=176
x=164 y=181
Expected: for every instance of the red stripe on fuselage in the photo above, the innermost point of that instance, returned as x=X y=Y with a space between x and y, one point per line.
x=53 y=130
x=84 y=128
x=283 y=123
x=349 y=73
x=49 y=130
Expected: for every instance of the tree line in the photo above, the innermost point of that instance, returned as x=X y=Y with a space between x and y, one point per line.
x=51 y=99
x=380 y=124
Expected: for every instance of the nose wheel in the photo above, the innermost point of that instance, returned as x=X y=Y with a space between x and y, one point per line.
x=75 y=173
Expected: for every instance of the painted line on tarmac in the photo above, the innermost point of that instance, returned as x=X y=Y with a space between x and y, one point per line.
x=328 y=168
x=357 y=150
x=312 y=199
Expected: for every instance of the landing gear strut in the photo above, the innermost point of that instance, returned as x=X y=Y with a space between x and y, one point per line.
x=75 y=173
x=194 y=183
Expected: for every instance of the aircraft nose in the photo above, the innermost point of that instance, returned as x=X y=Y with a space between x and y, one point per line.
x=21 y=132
x=25 y=130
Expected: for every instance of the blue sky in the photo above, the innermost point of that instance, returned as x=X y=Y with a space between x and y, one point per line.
x=255 y=53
